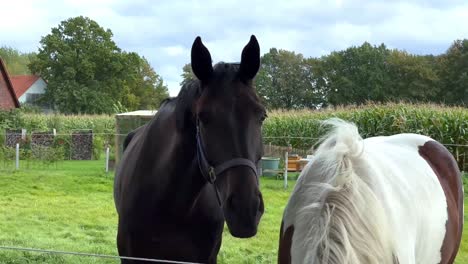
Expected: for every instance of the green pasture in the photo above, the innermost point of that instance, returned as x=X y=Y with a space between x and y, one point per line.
x=71 y=208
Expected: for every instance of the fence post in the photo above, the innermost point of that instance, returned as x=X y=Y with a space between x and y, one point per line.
x=286 y=170
x=17 y=156
x=107 y=159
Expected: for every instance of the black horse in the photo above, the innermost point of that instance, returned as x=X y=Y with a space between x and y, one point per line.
x=194 y=165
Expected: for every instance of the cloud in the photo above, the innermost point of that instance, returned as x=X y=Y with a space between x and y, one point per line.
x=175 y=51
x=163 y=31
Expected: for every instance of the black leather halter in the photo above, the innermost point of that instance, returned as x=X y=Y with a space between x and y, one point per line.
x=210 y=172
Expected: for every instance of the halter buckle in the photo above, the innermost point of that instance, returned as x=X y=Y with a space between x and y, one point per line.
x=211 y=174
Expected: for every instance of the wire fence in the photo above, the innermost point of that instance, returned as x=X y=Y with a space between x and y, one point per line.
x=55 y=151
x=102 y=256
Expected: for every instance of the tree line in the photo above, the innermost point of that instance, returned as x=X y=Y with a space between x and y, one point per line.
x=87 y=72
x=359 y=74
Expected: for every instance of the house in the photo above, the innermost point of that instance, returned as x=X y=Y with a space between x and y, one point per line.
x=8 y=99
x=28 y=88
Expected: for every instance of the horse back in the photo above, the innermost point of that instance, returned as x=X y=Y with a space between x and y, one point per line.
x=445 y=167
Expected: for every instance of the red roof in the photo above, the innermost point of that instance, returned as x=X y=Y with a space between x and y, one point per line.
x=21 y=83
x=6 y=78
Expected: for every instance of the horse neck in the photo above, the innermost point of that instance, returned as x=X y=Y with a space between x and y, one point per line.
x=186 y=179
x=171 y=168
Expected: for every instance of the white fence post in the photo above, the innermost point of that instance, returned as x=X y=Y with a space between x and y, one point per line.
x=17 y=156
x=286 y=170
x=107 y=159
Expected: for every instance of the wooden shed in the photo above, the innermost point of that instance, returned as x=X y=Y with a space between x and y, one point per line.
x=125 y=123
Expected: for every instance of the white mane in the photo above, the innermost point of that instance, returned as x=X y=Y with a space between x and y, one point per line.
x=339 y=218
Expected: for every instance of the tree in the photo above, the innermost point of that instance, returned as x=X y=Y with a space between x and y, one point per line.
x=453 y=72
x=187 y=74
x=412 y=77
x=356 y=75
x=144 y=89
x=88 y=73
x=284 y=81
x=317 y=79
x=15 y=61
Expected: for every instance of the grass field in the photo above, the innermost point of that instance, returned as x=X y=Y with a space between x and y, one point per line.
x=71 y=208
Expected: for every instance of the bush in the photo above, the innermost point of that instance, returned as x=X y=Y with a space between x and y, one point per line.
x=47 y=155
x=64 y=124
x=98 y=145
x=10 y=119
x=63 y=142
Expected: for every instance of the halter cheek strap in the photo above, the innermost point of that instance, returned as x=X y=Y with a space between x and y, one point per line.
x=210 y=172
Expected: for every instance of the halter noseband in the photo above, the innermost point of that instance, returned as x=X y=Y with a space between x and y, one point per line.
x=210 y=172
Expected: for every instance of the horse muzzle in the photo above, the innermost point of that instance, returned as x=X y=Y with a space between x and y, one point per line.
x=243 y=215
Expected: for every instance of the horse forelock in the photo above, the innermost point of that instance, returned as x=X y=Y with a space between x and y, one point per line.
x=226 y=88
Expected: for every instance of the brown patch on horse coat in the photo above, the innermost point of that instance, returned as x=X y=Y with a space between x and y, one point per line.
x=284 y=252
x=446 y=169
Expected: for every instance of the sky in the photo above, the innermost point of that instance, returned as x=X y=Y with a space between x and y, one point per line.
x=163 y=31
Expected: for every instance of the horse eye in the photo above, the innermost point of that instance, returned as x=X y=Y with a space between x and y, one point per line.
x=264 y=116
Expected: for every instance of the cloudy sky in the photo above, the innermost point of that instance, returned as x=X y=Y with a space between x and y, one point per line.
x=163 y=31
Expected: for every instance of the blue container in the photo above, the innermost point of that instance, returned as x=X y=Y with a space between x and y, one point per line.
x=270 y=166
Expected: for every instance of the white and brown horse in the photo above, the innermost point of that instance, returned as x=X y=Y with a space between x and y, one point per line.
x=395 y=199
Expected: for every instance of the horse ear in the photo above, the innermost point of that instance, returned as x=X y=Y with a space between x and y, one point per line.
x=201 y=61
x=250 y=60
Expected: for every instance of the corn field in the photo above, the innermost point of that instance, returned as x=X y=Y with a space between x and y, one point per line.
x=302 y=129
